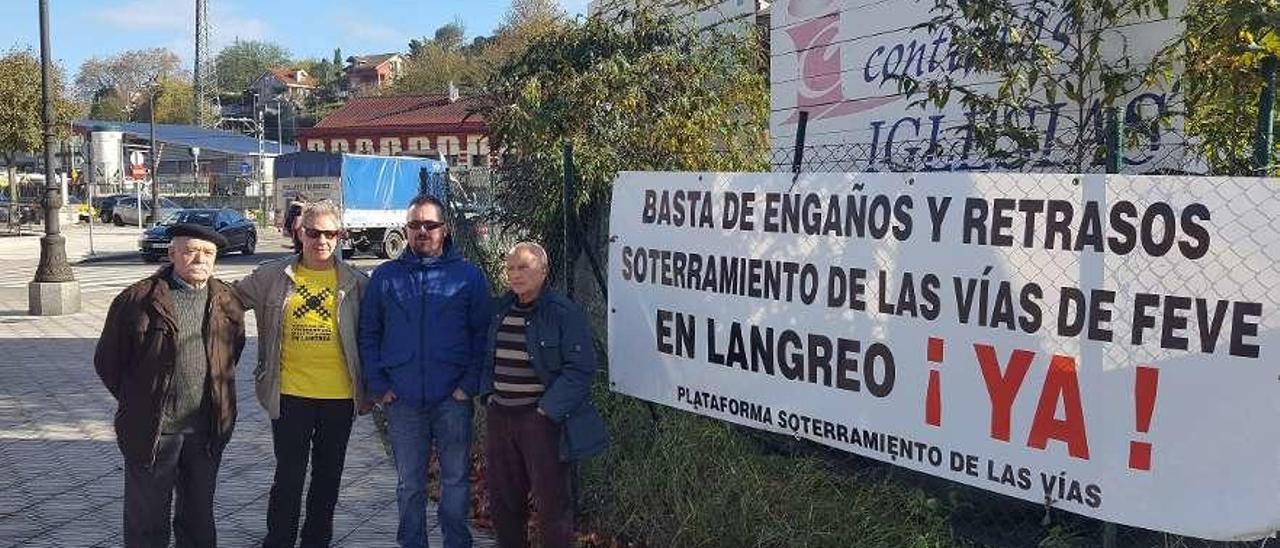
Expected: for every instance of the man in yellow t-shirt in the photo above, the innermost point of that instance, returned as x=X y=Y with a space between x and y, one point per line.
x=308 y=377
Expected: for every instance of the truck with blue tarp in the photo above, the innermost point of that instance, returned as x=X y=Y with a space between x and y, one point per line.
x=373 y=192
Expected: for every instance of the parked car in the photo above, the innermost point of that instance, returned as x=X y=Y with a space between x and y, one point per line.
x=125 y=211
x=240 y=233
x=104 y=205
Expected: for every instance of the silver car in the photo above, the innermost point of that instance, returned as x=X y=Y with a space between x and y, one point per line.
x=125 y=211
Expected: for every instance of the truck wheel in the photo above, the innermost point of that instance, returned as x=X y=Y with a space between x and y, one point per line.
x=392 y=244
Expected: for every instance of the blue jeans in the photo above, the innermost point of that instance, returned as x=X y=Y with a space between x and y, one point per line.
x=413 y=430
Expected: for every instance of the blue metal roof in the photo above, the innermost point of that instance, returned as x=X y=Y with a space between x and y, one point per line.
x=189 y=136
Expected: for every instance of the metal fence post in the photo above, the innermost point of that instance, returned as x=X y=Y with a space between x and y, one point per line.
x=1115 y=135
x=566 y=221
x=1113 y=139
x=797 y=159
x=1265 y=140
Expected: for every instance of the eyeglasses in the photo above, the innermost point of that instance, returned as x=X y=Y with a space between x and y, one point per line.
x=423 y=225
x=316 y=233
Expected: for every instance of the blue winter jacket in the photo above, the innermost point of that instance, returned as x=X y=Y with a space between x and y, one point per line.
x=563 y=354
x=423 y=323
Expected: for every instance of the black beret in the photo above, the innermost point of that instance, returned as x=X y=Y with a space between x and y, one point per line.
x=200 y=232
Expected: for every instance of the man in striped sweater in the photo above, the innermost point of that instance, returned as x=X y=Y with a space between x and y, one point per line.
x=541 y=360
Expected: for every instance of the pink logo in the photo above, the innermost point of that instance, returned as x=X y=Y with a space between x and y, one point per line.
x=818 y=60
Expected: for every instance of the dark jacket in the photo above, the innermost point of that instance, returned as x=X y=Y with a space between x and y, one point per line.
x=422 y=328
x=136 y=354
x=563 y=353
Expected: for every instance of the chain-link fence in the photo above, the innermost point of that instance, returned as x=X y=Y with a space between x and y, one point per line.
x=977 y=516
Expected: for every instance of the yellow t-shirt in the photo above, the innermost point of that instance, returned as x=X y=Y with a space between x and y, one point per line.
x=311 y=361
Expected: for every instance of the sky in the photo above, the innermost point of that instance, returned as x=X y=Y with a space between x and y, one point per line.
x=307 y=28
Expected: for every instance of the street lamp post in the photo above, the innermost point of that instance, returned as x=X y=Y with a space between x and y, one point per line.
x=195 y=169
x=279 y=131
x=54 y=290
x=152 y=217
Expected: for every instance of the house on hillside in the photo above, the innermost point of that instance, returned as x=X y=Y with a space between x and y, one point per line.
x=372 y=72
x=285 y=84
x=390 y=125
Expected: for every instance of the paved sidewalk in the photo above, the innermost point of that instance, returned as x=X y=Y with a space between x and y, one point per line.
x=105 y=241
x=61 y=479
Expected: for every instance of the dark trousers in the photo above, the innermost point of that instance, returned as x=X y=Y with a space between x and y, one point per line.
x=522 y=454
x=315 y=429
x=183 y=464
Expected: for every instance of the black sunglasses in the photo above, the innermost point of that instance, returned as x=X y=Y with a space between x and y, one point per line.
x=316 y=233
x=423 y=225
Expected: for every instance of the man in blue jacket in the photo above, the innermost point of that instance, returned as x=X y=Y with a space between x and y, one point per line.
x=539 y=364
x=423 y=324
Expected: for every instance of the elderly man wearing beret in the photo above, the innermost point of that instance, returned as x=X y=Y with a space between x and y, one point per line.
x=168 y=354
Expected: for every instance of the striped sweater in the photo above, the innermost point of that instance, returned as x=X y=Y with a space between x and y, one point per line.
x=515 y=382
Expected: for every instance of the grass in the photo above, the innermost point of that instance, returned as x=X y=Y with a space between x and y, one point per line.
x=685 y=480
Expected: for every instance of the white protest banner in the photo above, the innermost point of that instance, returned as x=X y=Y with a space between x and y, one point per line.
x=1105 y=343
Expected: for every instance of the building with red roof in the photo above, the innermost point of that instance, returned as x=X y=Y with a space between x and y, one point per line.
x=391 y=125
x=284 y=83
x=373 y=72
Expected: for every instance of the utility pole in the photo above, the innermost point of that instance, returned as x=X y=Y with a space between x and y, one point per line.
x=54 y=291
x=279 y=130
x=198 y=77
x=205 y=80
x=155 y=161
x=262 y=184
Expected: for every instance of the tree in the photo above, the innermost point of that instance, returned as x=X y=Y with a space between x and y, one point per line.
x=21 y=125
x=433 y=68
x=1227 y=40
x=242 y=62
x=635 y=92
x=523 y=22
x=528 y=15
x=439 y=61
x=173 y=103
x=450 y=36
x=123 y=78
x=320 y=69
x=110 y=107
x=1013 y=60
x=446 y=58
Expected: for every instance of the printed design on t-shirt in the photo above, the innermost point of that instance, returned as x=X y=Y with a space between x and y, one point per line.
x=317 y=327
x=312 y=302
